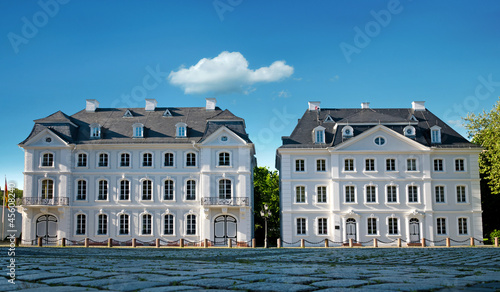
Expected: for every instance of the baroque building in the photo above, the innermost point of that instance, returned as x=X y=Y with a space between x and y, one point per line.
x=383 y=173
x=141 y=173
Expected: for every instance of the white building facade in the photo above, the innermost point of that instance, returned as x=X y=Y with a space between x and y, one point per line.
x=368 y=173
x=142 y=173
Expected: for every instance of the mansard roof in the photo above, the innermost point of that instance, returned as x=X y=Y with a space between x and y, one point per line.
x=363 y=119
x=116 y=129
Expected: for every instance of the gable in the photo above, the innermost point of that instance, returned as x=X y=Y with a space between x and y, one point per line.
x=46 y=138
x=223 y=137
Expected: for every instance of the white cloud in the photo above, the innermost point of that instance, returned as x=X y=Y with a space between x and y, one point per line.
x=228 y=72
x=283 y=94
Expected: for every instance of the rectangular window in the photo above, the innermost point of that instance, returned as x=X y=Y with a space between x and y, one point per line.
x=411 y=164
x=190 y=190
x=103 y=190
x=147 y=160
x=82 y=160
x=224 y=159
x=321 y=190
x=348 y=164
x=320 y=165
x=322 y=226
x=461 y=195
x=441 y=226
x=80 y=224
x=138 y=132
x=191 y=225
x=393 y=226
x=459 y=165
x=124 y=224
x=191 y=159
x=124 y=190
x=392 y=195
x=124 y=160
x=301 y=226
x=349 y=194
x=412 y=194
x=300 y=194
x=300 y=165
x=102 y=224
x=103 y=160
x=439 y=194
x=462 y=226
x=438 y=164
x=81 y=192
x=435 y=136
x=146 y=224
x=371 y=196
x=169 y=225
x=372 y=226
x=390 y=164
x=169 y=190
x=370 y=165
x=225 y=189
x=169 y=159
x=47 y=189
x=319 y=136
x=147 y=189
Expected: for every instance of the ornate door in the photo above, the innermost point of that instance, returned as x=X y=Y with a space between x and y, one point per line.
x=46 y=228
x=225 y=227
x=350 y=227
x=414 y=230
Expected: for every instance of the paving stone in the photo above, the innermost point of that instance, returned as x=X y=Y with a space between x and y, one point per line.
x=401 y=287
x=132 y=286
x=72 y=279
x=261 y=286
x=253 y=277
x=170 y=288
x=292 y=279
x=57 y=288
x=39 y=275
x=213 y=283
x=339 y=283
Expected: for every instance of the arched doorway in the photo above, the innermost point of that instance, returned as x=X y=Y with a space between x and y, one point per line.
x=46 y=228
x=225 y=227
x=414 y=230
x=350 y=227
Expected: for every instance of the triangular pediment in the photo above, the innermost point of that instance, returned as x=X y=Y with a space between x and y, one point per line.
x=128 y=114
x=223 y=137
x=328 y=119
x=46 y=138
x=167 y=113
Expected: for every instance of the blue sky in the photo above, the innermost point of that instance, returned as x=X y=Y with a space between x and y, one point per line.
x=55 y=54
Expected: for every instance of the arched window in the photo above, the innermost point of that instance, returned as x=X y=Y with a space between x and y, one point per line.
x=102 y=224
x=48 y=160
x=168 y=224
x=146 y=224
x=124 y=160
x=181 y=130
x=319 y=135
x=168 y=159
x=147 y=160
x=103 y=190
x=191 y=190
x=95 y=131
x=82 y=160
x=138 y=130
x=147 y=189
x=191 y=159
x=124 y=190
x=81 y=224
x=103 y=160
x=169 y=190
x=224 y=189
x=124 y=224
x=224 y=159
x=191 y=224
x=47 y=189
x=81 y=189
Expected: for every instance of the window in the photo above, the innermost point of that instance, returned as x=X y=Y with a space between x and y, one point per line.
x=379 y=141
x=224 y=189
x=372 y=226
x=393 y=226
x=81 y=190
x=300 y=194
x=103 y=190
x=390 y=164
x=439 y=194
x=392 y=195
x=441 y=226
x=435 y=134
x=191 y=159
x=169 y=190
x=80 y=224
x=349 y=194
x=82 y=160
x=103 y=160
x=168 y=159
x=371 y=195
x=180 y=130
x=459 y=165
x=461 y=194
x=138 y=130
x=370 y=164
x=462 y=226
x=409 y=131
x=411 y=164
x=300 y=165
x=95 y=131
x=349 y=164
x=320 y=165
x=124 y=190
x=168 y=228
x=224 y=159
x=412 y=194
x=48 y=160
x=438 y=165
x=47 y=189
x=322 y=226
x=191 y=190
x=347 y=132
x=102 y=224
x=147 y=189
x=147 y=160
x=191 y=224
x=146 y=224
x=319 y=135
x=301 y=226
x=321 y=192
x=124 y=160
x=124 y=224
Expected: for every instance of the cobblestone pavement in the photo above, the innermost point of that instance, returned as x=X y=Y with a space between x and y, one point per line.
x=223 y=269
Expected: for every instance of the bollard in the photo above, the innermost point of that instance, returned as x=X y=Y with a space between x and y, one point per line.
x=302 y=243
x=181 y=242
x=17 y=242
x=472 y=241
x=375 y=242
x=448 y=242
x=399 y=242
x=86 y=242
x=110 y=242
x=253 y=242
x=133 y=242
x=205 y=243
x=351 y=242
x=423 y=242
x=278 y=243
x=40 y=244
x=63 y=242
x=157 y=242
x=326 y=242
x=230 y=243
x=496 y=241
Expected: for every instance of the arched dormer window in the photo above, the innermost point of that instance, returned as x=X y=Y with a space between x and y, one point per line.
x=347 y=132
x=138 y=130
x=181 y=130
x=436 y=134
x=319 y=135
x=95 y=131
x=409 y=131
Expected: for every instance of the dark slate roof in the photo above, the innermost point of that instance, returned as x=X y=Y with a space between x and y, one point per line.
x=362 y=120
x=157 y=129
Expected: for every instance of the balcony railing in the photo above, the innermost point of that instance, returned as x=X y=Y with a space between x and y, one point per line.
x=238 y=201
x=36 y=201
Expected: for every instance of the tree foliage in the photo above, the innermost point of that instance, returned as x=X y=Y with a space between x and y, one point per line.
x=484 y=129
x=266 y=191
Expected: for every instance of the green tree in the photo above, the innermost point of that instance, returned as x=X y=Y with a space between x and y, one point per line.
x=266 y=191
x=18 y=193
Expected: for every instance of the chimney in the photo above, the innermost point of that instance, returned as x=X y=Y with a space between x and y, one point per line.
x=314 y=105
x=418 y=105
x=365 y=105
x=211 y=102
x=91 y=105
x=151 y=104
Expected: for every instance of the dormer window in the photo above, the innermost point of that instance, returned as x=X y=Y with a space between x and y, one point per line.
x=409 y=131
x=95 y=131
x=167 y=113
x=347 y=132
x=435 y=134
x=319 y=135
x=128 y=114
x=138 y=129
x=181 y=130
x=328 y=119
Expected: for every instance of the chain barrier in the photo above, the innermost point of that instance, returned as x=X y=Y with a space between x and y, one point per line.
x=435 y=241
x=459 y=241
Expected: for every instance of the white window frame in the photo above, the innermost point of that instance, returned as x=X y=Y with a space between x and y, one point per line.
x=163 y=224
x=95 y=131
x=219 y=153
x=296 y=194
x=326 y=226
x=120 y=190
x=187 y=224
x=345 y=135
x=326 y=194
x=151 y=227
x=98 y=190
x=164 y=160
x=398 y=222
x=353 y=165
x=436 y=134
x=295 y=165
x=459 y=227
x=465 y=191
x=84 y=225
x=355 y=194
x=144 y=160
x=120 y=160
x=464 y=164
x=195 y=160
x=97 y=225
x=416 y=164
x=395 y=164
x=52 y=158
x=41 y=188
x=377 y=229
x=138 y=130
x=444 y=194
x=319 y=135
x=317 y=161
x=98 y=162
x=387 y=193
x=375 y=187
x=86 y=190
x=231 y=196
x=181 y=130
x=129 y=227
x=408 y=193
x=305 y=233
x=164 y=190
x=77 y=158
x=374 y=165
x=443 y=169
x=141 y=184
x=185 y=199
x=445 y=226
